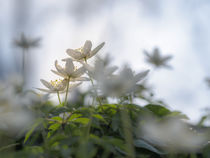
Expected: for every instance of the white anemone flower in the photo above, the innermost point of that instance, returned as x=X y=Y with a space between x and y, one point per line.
x=100 y=71
x=70 y=71
x=85 y=52
x=57 y=86
x=54 y=86
x=123 y=83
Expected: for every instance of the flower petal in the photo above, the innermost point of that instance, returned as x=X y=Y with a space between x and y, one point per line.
x=58 y=73
x=74 y=54
x=69 y=67
x=140 y=76
x=46 y=90
x=110 y=70
x=46 y=84
x=78 y=72
x=80 y=79
x=59 y=68
x=94 y=51
x=87 y=47
x=72 y=86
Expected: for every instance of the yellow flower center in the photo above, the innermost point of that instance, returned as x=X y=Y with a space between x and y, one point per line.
x=79 y=49
x=56 y=83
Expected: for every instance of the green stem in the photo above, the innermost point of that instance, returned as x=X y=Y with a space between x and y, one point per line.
x=59 y=99
x=130 y=98
x=9 y=146
x=67 y=91
x=23 y=63
x=98 y=99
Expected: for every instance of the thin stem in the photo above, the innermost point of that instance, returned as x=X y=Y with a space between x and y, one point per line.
x=67 y=90
x=59 y=99
x=130 y=98
x=9 y=146
x=97 y=97
x=23 y=63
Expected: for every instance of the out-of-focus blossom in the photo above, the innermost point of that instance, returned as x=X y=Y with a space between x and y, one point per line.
x=101 y=70
x=26 y=42
x=84 y=52
x=123 y=83
x=69 y=71
x=14 y=114
x=172 y=135
x=208 y=81
x=156 y=59
x=57 y=86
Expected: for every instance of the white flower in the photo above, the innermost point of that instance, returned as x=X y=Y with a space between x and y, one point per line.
x=100 y=71
x=84 y=52
x=172 y=134
x=122 y=84
x=54 y=86
x=57 y=86
x=70 y=71
x=156 y=59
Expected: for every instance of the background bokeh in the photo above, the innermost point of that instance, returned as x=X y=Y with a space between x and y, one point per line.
x=180 y=28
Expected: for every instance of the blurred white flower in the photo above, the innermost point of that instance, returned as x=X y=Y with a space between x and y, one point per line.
x=156 y=59
x=69 y=71
x=84 y=52
x=57 y=86
x=100 y=70
x=122 y=84
x=207 y=80
x=26 y=42
x=173 y=135
x=14 y=103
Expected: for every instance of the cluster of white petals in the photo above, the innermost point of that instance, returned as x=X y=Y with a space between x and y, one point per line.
x=70 y=73
x=123 y=83
x=84 y=52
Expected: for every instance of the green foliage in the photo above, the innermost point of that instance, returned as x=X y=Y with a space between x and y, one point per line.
x=88 y=132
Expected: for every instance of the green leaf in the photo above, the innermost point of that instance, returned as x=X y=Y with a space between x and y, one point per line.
x=143 y=144
x=83 y=121
x=34 y=126
x=178 y=114
x=54 y=126
x=99 y=117
x=74 y=116
x=57 y=118
x=202 y=120
x=158 y=110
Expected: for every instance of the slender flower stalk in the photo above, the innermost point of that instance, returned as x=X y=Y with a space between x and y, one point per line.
x=25 y=43
x=59 y=99
x=67 y=90
x=23 y=62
